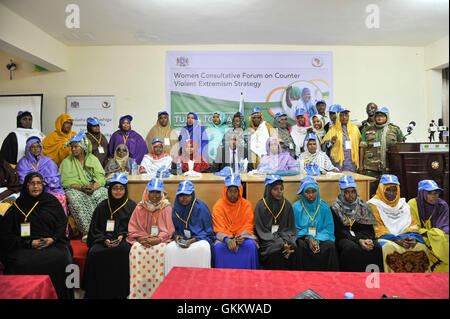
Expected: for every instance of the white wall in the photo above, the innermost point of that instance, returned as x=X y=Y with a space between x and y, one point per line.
x=389 y=76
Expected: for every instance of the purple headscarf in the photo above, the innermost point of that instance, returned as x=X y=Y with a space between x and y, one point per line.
x=43 y=165
x=278 y=162
x=440 y=218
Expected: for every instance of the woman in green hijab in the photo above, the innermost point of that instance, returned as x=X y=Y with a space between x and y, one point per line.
x=83 y=179
x=215 y=132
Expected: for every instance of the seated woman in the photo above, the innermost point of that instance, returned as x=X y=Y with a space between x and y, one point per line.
x=431 y=214
x=404 y=249
x=315 y=230
x=149 y=231
x=190 y=152
x=120 y=163
x=33 y=236
x=106 y=272
x=275 y=159
x=34 y=161
x=275 y=227
x=83 y=178
x=9 y=185
x=233 y=220
x=314 y=156
x=156 y=159
x=353 y=229
x=125 y=135
x=193 y=236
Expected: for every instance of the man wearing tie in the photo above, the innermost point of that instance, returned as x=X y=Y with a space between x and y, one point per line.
x=231 y=152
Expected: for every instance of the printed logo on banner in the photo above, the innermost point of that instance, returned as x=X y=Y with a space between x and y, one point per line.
x=106 y=105
x=182 y=61
x=317 y=62
x=75 y=104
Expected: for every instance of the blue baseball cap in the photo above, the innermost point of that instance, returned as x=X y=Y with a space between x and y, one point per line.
x=383 y=110
x=125 y=117
x=389 y=179
x=335 y=108
x=270 y=179
x=163 y=173
x=227 y=170
x=185 y=187
x=310 y=136
x=255 y=110
x=20 y=113
x=155 y=184
x=93 y=121
x=347 y=181
x=306 y=181
x=343 y=109
x=233 y=180
x=162 y=112
x=120 y=178
x=155 y=140
x=280 y=114
x=428 y=185
x=321 y=101
x=78 y=137
x=312 y=169
x=300 y=111
x=33 y=138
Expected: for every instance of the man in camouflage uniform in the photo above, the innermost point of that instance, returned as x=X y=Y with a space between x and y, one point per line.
x=375 y=140
x=371 y=108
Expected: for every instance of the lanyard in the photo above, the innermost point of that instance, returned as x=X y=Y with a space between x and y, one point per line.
x=125 y=139
x=190 y=211
x=312 y=219
x=155 y=218
x=99 y=140
x=286 y=136
x=350 y=222
x=26 y=215
x=428 y=220
x=166 y=133
x=37 y=165
x=310 y=159
x=113 y=212
x=275 y=217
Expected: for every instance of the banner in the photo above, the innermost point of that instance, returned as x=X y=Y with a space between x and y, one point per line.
x=100 y=106
x=206 y=81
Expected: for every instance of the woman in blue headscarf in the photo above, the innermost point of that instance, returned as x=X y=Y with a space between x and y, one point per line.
x=194 y=235
x=315 y=229
x=195 y=132
x=215 y=132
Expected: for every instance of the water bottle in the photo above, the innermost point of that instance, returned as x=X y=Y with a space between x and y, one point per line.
x=297 y=165
x=179 y=170
x=134 y=168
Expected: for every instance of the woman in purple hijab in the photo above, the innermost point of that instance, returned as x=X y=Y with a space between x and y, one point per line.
x=34 y=161
x=432 y=216
x=275 y=159
x=125 y=135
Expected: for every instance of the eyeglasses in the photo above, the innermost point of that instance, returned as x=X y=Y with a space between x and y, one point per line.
x=122 y=150
x=35 y=183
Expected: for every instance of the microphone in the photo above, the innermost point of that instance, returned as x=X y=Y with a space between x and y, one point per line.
x=410 y=126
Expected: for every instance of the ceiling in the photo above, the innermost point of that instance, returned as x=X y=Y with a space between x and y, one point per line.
x=287 y=22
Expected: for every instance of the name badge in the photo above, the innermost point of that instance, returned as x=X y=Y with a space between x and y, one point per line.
x=187 y=233
x=352 y=233
x=166 y=141
x=25 y=229
x=312 y=231
x=101 y=150
x=155 y=230
x=110 y=225
x=377 y=144
x=275 y=228
x=291 y=146
x=348 y=145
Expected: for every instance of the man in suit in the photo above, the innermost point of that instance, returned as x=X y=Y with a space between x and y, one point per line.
x=232 y=150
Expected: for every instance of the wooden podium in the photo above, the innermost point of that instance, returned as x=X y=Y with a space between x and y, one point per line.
x=413 y=162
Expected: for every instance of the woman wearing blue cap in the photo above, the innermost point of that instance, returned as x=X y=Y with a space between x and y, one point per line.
x=353 y=229
x=314 y=156
x=195 y=132
x=155 y=160
x=315 y=229
x=193 y=235
x=83 y=178
x=259 y=131
x=149 y=231
x=98 y=140
x=375 y=140
x=234 y=223
x=106 y=272
x=280 y=122
x=431 y=214
x=404 y=249
x=275 y=227
x=125 y=135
